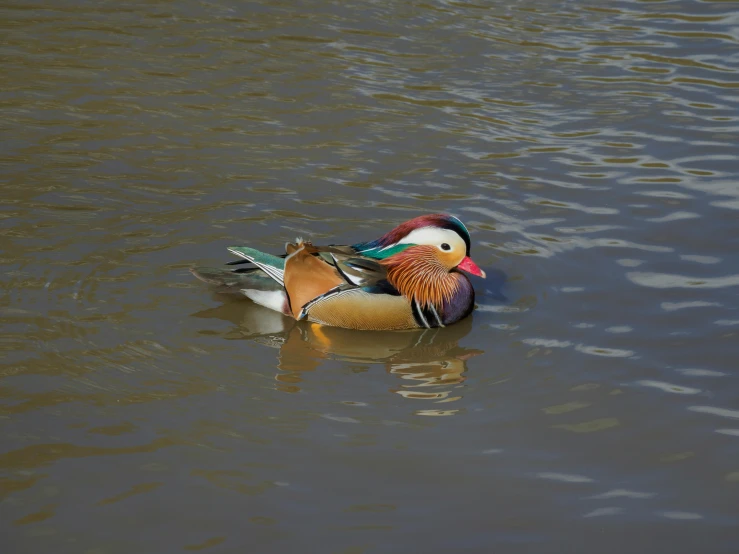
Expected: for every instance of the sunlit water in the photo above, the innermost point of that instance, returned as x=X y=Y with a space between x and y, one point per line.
x=589 y=405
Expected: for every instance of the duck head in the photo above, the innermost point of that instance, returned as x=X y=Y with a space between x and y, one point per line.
x=447 y=234
x=423 y=257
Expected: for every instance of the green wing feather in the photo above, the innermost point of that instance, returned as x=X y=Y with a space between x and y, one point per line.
x=274 y=266
x=257 y=257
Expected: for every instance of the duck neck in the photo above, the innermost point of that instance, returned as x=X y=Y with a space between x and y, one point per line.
x=418 y=275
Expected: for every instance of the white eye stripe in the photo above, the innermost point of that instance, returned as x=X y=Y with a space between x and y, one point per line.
x=435 y=237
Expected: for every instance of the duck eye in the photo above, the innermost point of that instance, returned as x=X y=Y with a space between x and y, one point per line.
x=445 y=246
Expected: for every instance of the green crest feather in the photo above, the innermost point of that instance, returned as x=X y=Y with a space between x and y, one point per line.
x=383 y=254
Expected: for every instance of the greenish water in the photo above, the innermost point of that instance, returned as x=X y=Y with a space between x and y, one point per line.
x=590 y=404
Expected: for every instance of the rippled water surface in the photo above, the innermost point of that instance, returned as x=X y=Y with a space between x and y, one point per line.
x=591 y=402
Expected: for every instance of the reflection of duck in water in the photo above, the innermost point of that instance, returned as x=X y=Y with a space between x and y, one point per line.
x=409 y=278
x=429 y=361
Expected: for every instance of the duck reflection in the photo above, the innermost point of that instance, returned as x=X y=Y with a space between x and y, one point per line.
x=429 y=364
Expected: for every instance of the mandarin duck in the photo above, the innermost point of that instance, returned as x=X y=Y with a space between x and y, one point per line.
x=409 y=278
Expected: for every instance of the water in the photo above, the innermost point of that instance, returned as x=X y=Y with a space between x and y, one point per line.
x=591 y=402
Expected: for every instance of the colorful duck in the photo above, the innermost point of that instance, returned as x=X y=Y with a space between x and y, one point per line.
x=408 y=278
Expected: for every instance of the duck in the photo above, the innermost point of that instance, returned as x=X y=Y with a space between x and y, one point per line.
x=412 y=277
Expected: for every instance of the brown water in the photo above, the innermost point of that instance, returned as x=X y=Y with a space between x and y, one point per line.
x=590 y=404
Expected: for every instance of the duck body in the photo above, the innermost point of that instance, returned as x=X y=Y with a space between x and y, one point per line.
x=409 y=278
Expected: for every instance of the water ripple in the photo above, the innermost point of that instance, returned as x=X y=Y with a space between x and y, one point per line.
x=564 y=477
x=585 y=349
x=722 y=412
x=730 y=432
x=696 y=372
x=623 y=493
x=668 y=387
x=673 y=306
x=669 y=281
